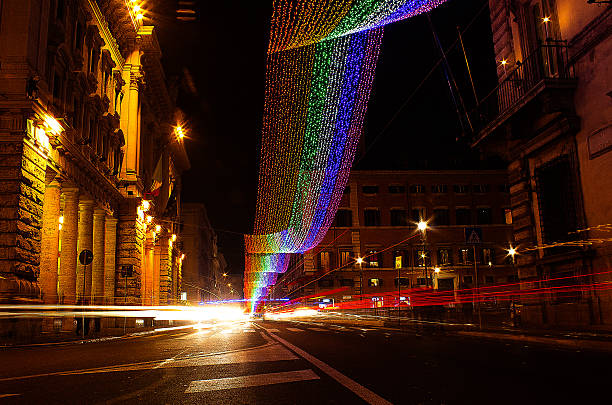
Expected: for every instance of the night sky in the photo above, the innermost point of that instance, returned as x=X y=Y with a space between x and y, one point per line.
x=225 y=53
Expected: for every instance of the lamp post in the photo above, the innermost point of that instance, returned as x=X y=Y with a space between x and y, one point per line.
x=422 y=226
x=359 y=261
x=512 y=253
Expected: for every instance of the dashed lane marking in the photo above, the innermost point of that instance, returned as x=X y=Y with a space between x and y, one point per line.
x=295 y=330
x=255 y=380
x=319 y=329
x=249 y=331
x=272 y=330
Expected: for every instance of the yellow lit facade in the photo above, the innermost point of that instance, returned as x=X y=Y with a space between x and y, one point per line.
x=88 y=156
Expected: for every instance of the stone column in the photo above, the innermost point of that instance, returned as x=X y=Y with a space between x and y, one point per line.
x=50 y=243
x=97 y=266
x=68 y=257
x=147 y=271
x=110 y=249
x=85 y=242
x=157 y=269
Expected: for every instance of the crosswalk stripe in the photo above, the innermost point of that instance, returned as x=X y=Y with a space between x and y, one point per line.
x=272 y=330
x=319 y=329
x=255 y=380
x=295 y=330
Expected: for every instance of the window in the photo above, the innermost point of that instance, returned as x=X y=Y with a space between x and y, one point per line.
x=556 y=200
x=417 y=188
x=504 y=188
x=399 y=217
x=422 y=281
x=346 y=282
x=508 y=216
x=488 y=256
x=347 y=190
x=369 y=189
x=513 y=278
x=57 y=87
x=344 y=218
x=461 y=188
x=324 y=261
x=445 y=257
x=400 y=259
x=481 y=188
x=345 y=257
x=371 y=217
x=422 y=258
x=466 y=256
x=326 y=283
x=439 y=188
x=404 y=282
x=463 y=216
x=441 y=216
x=397 y=189
x=374 y=259
x=418 y=214
x=484 y=216
x=489 y=280
x=467 y=279
x=375 y=282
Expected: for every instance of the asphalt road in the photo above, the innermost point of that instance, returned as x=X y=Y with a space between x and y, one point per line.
x=300 y=363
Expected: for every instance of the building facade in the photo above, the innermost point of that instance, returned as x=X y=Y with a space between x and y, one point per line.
x=550 y=119
x=377 y=221
x=90 y=156
x=203 y=266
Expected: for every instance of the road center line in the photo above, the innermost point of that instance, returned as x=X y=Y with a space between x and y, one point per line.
x=364 y=393
x=255 y=380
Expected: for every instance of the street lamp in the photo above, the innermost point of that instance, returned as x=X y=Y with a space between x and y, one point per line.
x=422 y=226
x=359 y=261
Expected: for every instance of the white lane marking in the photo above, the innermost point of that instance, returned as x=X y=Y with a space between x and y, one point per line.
x=319 y=329
x=272 y=330
x=255 y=380
x=248 y=331
x=295 y=330
x=364 y=393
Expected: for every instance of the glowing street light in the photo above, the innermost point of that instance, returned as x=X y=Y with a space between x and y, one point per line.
x=224 y=274
x=437 y=269
x=157 y=228
x=146 y=205
x=173 y=237
x=422 y=226
x=179 y=131
x=546 y=19
x=359 y=260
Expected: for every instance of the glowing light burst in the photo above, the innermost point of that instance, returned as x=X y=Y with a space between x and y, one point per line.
x=321 y=60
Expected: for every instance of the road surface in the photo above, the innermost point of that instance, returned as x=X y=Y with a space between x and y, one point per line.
x=268 y=362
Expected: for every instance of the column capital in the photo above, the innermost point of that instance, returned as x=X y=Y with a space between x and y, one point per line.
x=86 y=203
x=71 y=192
x=99 y=212
x=111 y=220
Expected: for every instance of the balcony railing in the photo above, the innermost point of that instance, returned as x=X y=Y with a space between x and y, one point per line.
x=547 y=63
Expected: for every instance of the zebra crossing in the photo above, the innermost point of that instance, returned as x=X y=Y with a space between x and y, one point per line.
x=304 y=368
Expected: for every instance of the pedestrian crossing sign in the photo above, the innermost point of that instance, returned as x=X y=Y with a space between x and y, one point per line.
x=473 y=236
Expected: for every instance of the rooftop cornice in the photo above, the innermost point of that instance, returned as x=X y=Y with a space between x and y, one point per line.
x=107 y=36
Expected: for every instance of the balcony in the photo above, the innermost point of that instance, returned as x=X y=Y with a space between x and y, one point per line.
x=544 y=82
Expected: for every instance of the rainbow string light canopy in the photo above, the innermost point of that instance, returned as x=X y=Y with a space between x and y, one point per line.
x=321 y=60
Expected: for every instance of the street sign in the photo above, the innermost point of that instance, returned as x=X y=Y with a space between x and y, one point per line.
x=85 y=257
x=127 y=270
x=473 y=236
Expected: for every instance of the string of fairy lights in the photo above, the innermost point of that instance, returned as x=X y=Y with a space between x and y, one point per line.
x=320 y=68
